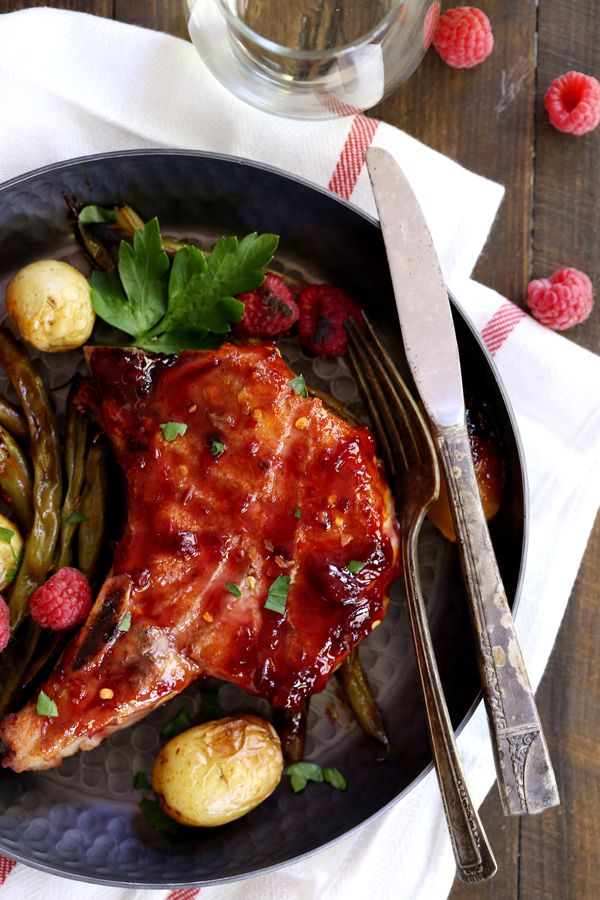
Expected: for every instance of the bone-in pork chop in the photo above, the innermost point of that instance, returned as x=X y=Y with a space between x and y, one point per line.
x=240 y=491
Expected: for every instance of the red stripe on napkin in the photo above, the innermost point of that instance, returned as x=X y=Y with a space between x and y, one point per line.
x=6 y=867
x=352 y=158
x=504 y=320
x=184 y=894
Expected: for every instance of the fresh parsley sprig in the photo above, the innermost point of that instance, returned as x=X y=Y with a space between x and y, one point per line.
x=187 y=304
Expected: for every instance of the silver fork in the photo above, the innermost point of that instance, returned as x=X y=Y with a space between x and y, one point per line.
x=411 y=461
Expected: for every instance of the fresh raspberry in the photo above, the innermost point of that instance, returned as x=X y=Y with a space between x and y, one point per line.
x=464 y=37
x=562 y=300
x=63 y=601
x=4 y=624
x=573 y=103
x=324 y=311
x=269 y=310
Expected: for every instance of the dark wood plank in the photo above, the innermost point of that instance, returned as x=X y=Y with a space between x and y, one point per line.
x=484 y=119
x=567 y=177
x=560 y=855
x=169 y=17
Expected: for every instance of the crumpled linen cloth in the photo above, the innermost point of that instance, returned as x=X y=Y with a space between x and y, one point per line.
x=72 y=84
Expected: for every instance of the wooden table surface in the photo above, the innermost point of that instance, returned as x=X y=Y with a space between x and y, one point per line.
x=492 y=120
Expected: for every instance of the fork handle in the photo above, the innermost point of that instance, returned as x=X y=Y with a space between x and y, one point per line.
x=525 y=776
x=472 y=852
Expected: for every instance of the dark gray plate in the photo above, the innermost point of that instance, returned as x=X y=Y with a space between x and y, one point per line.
x=82 y=820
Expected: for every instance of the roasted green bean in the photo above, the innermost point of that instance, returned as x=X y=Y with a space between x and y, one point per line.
x=13 y=421
x=17 y=663
x=360 y=698
x=291 y=728
x=76 y=439
x=15 y=480
x=93 y=503
x=41 y=542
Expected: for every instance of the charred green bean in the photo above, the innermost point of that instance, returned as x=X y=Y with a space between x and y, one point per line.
x=76 y=440
x=13 y=421
x=47 y=482
x=15 y=480
x=360 y=698
x=93 y=503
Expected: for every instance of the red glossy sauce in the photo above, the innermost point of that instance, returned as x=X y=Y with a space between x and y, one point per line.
x=216 y=505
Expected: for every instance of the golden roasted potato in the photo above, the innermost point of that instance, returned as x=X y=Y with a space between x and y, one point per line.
x=216 y=772
x=49 y=302
x=11 y=545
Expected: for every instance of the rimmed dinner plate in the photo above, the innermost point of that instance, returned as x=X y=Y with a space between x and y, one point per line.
x=82 y=820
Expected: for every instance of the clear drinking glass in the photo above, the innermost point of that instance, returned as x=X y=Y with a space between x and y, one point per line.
x=311 y=59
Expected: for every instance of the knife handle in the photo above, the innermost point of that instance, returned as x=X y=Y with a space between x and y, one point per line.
x=525 y=776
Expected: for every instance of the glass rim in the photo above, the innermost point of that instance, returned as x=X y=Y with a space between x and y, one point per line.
x=309 y=55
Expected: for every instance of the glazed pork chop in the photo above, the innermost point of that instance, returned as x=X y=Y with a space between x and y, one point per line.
x=259 y=546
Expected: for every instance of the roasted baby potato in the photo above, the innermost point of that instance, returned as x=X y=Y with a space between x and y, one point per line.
x=216 y=772
x=49 y=302
x=11 y=545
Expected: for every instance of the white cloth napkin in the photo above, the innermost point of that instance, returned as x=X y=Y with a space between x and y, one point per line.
x=72 y=84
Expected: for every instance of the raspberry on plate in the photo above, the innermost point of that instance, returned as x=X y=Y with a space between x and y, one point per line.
x=4 y=623
x=63 y=601
x=464 y=37
x=573 y=103
x=324 y=311
x=269 y=310
x=563 y=300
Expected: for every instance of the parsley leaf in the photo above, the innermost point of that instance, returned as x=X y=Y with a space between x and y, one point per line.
x=233 y=589
x=166 y=311
x=180 y=722
x=157 y=817
x=355 y=566
x=171 y=430
x=302 y=772
x=76 y=517
x=297 y=512
x=92 y=214
x=277 y=596
x=45 y=706
x=299 y=385
x=124 y=623
x=217 y=448
x=6 y=535
x=141 y=782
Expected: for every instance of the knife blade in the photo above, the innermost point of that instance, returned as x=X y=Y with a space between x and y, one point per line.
x=525 y=776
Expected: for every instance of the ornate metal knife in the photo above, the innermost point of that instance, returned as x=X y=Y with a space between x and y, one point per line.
x=525 y=775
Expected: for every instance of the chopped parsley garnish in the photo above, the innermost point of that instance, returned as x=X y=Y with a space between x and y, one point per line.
x=92 y=214
x=76 y=517
x=172 y=430
x=209 y=704
x=297 y=512
x=180 y=722
x=141 y=782
x=10 y=575
x=124 y=623
x=233 y=589
x=277 y=596
x=355 y=566
x=299 y=385
x=217 y=448
x=6 y=535
x=302 y=772
x=190 y=303
x=45 y=706
x=157 y=817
